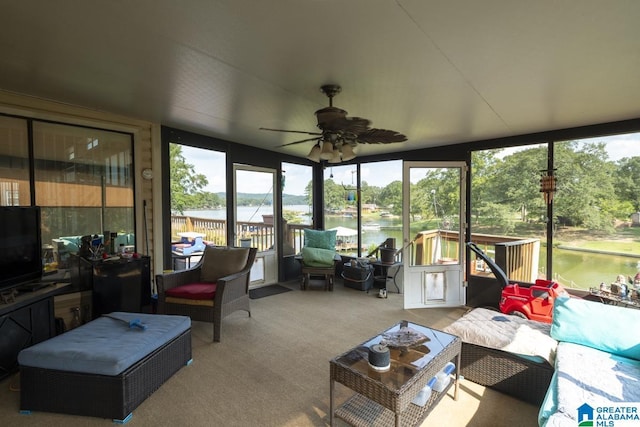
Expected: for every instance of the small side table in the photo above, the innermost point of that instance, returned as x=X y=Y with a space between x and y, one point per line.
x=175 y=256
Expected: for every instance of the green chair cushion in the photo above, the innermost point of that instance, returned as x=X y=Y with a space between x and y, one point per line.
x=317 y=257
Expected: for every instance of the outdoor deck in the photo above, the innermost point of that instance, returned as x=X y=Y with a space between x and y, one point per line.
x=518 y=257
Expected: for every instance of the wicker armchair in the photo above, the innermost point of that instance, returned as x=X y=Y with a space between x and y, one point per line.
x=215 y=287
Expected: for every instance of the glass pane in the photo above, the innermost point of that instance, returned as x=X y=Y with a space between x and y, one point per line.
x=341 y=206
x=84 y=185
x=15 y=189
x=198 y=182
x=381 y=193
x=597 y=213
x=434 y=203
x=508 y=212
x=297 y=205
x=254 y=209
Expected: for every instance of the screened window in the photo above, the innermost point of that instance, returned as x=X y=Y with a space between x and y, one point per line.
x=297 y=205
x=198 y=183
x=596 y=224
x=374 y=198
x=591 y=222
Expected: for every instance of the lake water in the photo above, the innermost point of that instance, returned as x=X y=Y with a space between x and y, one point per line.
x=572 y=268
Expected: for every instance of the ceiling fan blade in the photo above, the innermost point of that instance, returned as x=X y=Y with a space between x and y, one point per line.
x=380 y=136
x=336 y=127
x=355 y=125
x=293 y=131
x=301 y=141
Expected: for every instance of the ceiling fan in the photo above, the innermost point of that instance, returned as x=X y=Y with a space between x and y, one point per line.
x=339 y=133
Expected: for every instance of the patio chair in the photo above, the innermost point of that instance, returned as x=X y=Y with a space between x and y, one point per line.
x=214 y=288
x=319 y=257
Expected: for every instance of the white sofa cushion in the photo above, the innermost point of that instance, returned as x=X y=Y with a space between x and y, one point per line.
x=585 y=375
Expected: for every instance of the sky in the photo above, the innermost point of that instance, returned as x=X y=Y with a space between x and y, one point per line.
x=379 y=174
x=212 y=165
x=618 y=146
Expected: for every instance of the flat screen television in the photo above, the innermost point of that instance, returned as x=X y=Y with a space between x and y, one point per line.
x=20 y=245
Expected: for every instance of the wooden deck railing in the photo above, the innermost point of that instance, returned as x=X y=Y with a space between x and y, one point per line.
x=519 y=258
x=215 y=231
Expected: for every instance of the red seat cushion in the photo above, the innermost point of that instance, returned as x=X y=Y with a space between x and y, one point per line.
x=194 y=291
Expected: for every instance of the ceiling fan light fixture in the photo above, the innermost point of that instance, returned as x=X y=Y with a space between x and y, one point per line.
x=314 y=154
x=327 y=150
x=336 y=157
x=340 y=133
x=347 y=152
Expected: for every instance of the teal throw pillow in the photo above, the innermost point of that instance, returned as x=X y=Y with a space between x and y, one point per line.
x=597 y=325
x=324 y=239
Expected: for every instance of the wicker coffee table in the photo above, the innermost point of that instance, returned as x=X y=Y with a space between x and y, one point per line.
x=384 y=398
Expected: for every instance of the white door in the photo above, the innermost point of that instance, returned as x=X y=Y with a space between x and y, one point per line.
x=433 y=234
x=255 y=224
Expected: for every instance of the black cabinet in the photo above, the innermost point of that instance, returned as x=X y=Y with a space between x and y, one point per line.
x=24 y=322
x=117 y=285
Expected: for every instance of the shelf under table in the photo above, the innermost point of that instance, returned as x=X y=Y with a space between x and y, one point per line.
x=362 y=412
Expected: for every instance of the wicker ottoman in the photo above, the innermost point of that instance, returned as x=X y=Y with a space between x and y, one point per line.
x=490 y=356
x=506 y=372
x=104 y=368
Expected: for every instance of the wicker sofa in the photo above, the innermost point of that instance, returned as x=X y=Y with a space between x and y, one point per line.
x=597 y=368
x=570 y=368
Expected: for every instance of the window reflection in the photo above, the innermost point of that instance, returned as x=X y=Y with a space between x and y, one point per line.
x=15 y=189
x=83 y=184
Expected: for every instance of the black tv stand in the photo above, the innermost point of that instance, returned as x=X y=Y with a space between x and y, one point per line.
x=32 y=287
x=26 y=319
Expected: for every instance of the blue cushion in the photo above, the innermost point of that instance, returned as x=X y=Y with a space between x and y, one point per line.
x=317 y=257
x=323 y=239
x=604 y=327
x=105 y=346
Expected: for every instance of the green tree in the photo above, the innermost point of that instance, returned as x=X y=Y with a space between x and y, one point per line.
x=390 y=197
x=586 y=191
x=334 y=195
x=628 y=181
x=517 y=182
x=437 y=194
x=368 y=193
x=184 y=181
x=483 y=170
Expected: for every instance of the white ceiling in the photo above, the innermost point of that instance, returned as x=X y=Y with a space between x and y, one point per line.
x=440 y=72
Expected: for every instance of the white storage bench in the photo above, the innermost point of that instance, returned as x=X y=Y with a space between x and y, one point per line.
x=104 y=368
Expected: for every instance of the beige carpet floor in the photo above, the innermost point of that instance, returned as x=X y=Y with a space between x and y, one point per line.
x=272 y=369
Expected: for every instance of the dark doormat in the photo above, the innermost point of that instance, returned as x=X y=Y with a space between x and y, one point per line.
x=266 y=291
